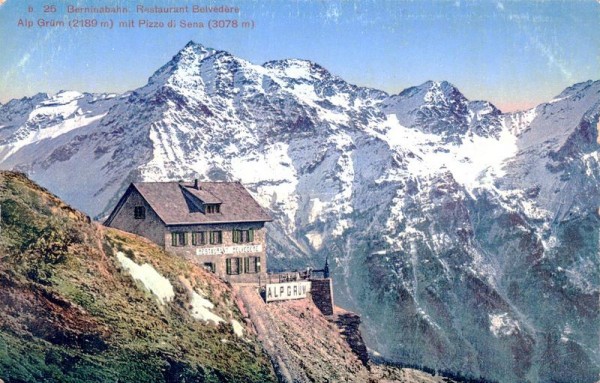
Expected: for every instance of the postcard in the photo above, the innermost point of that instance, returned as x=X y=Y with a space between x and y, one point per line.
x=299 y=191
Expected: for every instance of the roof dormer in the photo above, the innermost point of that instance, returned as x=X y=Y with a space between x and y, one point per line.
x=202 y=199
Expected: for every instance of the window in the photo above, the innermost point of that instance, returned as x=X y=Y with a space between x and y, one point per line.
x=199 y=238
x=252 y=265
x=178 y=238
x=139 y=212
x=233 y=266
x=209 y=266
x=213 y=208
x=216 y=237
x=243 y=236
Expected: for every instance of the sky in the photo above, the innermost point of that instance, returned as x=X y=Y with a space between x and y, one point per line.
x=515 y=54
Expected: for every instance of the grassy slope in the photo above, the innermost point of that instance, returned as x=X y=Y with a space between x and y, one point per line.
x=69 y=313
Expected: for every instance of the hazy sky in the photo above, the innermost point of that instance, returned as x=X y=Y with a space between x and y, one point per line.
x=515 y=54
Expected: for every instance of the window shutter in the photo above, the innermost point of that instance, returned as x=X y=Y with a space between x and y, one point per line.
x=173 y=239
x=228 y=266
x=184 y=236
x=247 y=265
x=251 y=235
x=235 y=235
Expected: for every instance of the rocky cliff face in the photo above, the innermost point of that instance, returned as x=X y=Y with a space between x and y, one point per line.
x=466 y=238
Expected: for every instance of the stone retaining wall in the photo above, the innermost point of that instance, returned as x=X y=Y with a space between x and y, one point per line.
x=321 y=291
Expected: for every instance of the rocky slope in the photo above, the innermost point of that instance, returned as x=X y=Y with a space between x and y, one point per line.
x=306 y=347
x=81 y=303
x=466 y=238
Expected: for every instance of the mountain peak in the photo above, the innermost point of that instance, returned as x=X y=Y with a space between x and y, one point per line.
x=194 y=48
x=191 y=43
x=433 y=92
x=184 y=62
x=192 y=53
x=437 y=84
x=436 y=91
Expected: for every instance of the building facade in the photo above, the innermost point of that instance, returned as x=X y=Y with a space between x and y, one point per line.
x=217 y=225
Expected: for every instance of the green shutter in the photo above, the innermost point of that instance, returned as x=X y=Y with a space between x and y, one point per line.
x=216 y=237
x=247 y=264
x=251 y=235
x=228 y=266
x=240 y=265
x=184 y=234
x=235 y=235
x=173 y=239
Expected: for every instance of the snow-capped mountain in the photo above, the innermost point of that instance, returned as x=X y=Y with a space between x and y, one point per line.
x=467 y=238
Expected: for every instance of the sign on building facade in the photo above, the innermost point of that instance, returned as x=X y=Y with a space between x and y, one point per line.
x=287 y=290
x=228 y=250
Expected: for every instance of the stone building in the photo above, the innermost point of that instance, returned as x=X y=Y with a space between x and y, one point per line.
x=217 y=225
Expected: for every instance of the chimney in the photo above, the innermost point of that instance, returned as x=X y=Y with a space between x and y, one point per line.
x=196 y=186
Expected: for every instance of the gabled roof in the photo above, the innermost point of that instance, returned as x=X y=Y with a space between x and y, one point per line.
x=176 y=203
x=167 y=199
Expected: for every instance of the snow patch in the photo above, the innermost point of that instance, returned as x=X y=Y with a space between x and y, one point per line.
x=201 y=309
x=473 y=163
x=503 y=325
x=341 y=227
x=238 y=329
x=564 y=336
x=150 y=278
x=63 y=97
x=297 y=69
x=315 y=210
x=274 y=160
x=550 y=243
x=532 y=211
x=315 y=239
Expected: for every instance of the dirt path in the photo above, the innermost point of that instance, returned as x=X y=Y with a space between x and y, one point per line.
x=287 y=368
